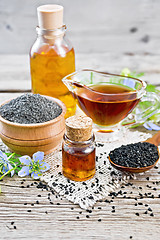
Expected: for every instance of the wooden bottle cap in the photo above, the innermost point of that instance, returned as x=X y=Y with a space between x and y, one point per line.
x=50 y=16
x=79 y=128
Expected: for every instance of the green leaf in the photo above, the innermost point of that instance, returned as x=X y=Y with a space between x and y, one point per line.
x=150 y=88
x=155 y=118
x=126 y=72
x=18 y=169
x=142 y=105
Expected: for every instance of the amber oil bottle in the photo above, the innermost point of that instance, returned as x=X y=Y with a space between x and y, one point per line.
x=52 y=57
x=78 y=149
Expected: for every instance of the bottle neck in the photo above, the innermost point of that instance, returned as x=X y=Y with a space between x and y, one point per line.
x=49 y=35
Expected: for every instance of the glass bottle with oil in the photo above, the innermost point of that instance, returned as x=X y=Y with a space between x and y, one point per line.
x=78 y=149
x=52 y=57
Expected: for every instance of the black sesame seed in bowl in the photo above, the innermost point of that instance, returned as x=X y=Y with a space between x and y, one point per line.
x=38 y=126
x=30 y=109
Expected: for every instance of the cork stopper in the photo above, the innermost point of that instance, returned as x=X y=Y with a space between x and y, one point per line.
x=50 y=16
x=79 y=128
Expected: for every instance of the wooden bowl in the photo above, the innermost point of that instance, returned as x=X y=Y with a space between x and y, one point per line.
x=30 y=138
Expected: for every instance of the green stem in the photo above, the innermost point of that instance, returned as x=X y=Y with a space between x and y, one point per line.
x=11 y=156
x=1 y=166
x=15 y=166
x=91 y=78
x=8 y=172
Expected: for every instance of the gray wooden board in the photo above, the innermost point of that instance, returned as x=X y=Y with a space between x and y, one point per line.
x=61 y=221
x=94 y=26
x=15 y=70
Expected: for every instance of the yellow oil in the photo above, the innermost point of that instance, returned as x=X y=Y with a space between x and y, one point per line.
x=48 y=67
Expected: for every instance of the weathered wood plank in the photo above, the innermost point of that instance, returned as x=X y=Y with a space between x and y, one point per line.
x=61 y=222
x=111 y=26
x=15 y=72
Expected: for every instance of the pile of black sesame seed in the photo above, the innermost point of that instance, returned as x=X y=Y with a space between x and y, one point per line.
x=30 y=108
x=137 y=155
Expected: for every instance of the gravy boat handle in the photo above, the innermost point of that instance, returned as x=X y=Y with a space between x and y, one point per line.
x=139 y=116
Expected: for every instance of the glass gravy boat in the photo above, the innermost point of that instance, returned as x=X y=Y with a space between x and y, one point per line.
x=109 y=98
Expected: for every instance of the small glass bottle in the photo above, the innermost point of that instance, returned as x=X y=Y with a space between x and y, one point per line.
x=78 y=149
x=52 y=57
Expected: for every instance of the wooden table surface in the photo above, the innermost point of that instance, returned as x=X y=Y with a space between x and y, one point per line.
x=60 y=221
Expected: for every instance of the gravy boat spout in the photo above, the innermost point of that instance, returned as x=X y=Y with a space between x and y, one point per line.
x=71 y=85
x=77 y=80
